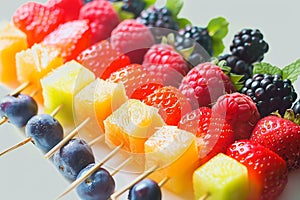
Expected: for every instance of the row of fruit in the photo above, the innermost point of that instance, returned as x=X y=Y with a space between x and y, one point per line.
x=164 y=101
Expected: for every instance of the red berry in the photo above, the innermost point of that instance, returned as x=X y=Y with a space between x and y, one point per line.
x=36 y=20
x=102 y=17
x=133 y=39
x=136 y=80
x=143 y=91
x=240 y=112
x=267 y=171
x=70 y=8
x=281 y=136
x=213 y=133
x=70 y=38
x=164 y=61
x=102 y=59
x=204 y=84
x=171 y=103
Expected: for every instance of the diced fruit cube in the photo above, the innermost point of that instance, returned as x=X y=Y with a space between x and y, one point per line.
x=175 y=152
x=12 y=40
x=35 y=63
x=61 y=86
x=221 y=178
x=97 y=101
x=131 y=125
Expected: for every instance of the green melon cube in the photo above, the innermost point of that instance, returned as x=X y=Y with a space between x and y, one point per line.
x=60 y=88
x=221 y=178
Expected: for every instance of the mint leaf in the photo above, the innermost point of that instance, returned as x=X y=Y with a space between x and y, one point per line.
x=218 y=28
x=266 y=68
x=121 y=13
x=174 y=6
x=218 y=47
x=182 y=22
x=149 y=3
x=291 y=71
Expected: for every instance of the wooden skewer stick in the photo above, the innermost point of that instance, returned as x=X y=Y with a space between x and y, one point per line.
x=164 y=181
x=56 y=110
x=91 y=171
x=115 y=195
x=205 y=196
x=19 y=89
x=16 y=146
x=97 y=139
x=123 y=164
x=29 y=139
x=66 y=139
x=3 y=120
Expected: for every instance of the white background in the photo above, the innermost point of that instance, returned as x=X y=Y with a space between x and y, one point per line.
x=24 y=174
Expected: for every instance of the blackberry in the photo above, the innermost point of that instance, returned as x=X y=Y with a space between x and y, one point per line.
x=237 y=65
x=159 y=18
x=132 y=6
x=296 y=107
x=270 y=93
x=249 y=45
x=197 y=34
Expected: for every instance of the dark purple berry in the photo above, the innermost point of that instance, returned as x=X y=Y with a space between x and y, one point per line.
x=146 y=189
x=73 y=157
x=249 y=45
x=18 y=109
x=132 y=6
x=99 y=186
x=270 y=93
x=45 y=131
x=296 y=107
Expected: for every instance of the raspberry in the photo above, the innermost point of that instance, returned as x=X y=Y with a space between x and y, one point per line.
x=204 y=84
x=133 y=39
x=270 y=93
x=161 y=59
x=237 y=65
x=249 y=45
x=240 y=112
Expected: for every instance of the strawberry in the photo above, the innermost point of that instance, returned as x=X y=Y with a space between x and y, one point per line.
x=164 y=61
x=204 y=84
x=137 y=81
x=144 y=90
x=70 y=8
x=36 y=20
x=214 y=134
x=70 y=38
x=102 y=59
x=281 y=136
x=240 y=112
x=171 y=103
x=267 y=171
x=133 y=39
x=102 y=17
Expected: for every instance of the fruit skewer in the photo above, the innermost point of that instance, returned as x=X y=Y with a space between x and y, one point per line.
x=41 y=136
x=94 y=169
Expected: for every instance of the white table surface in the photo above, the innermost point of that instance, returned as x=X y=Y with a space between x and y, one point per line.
x=25 y=175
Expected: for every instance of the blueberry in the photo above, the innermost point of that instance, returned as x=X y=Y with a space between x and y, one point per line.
x=146 y=189
x=73 y=157
x=45 y=131
x=18 y=109
x=99 y=186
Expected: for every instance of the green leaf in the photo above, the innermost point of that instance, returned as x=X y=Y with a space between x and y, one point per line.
x=187 y=52
x=218 y=28
x=218 y=47
x=121 y=13
x=291 y=71
x=266 y=68
x=174 y=6
x=182 y=22
x=149 y=3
